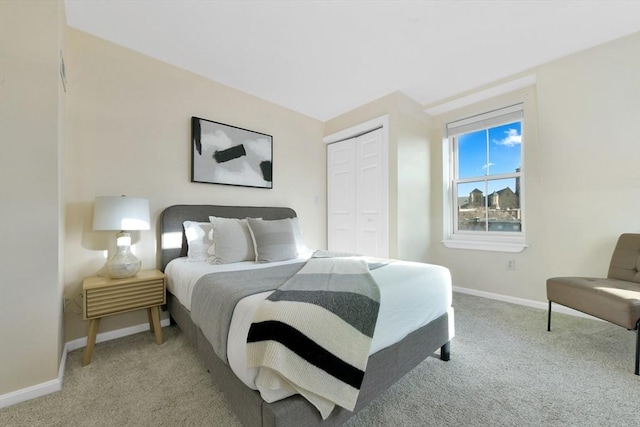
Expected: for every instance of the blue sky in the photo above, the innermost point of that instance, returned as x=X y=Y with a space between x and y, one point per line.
x=491 y=152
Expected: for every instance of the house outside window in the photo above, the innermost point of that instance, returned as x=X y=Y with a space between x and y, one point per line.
x=485 y=198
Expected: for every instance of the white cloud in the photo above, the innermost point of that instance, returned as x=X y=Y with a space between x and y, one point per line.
x=259 y=148
x=244 y=175
x=488 y=165
x=216 y=140
x=512 y=138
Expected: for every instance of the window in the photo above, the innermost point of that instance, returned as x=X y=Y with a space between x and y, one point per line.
x=486 y=192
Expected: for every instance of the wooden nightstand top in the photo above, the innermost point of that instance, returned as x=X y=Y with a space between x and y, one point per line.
x=142 y=276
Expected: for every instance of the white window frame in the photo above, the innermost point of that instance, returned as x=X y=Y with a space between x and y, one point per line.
x=487 y=240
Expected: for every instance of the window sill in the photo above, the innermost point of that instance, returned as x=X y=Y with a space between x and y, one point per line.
x=485 y=245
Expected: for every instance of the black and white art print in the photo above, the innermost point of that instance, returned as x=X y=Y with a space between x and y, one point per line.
x=224 y=154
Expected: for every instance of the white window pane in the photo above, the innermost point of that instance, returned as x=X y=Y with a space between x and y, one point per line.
x=505 y=144
x=503 y=203
x=472 y=154
x=471 y=206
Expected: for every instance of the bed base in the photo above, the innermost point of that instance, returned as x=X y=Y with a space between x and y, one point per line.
x=384 y=368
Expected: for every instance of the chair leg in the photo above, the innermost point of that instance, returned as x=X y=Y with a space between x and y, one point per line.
x=637 y=372
x=637 y=367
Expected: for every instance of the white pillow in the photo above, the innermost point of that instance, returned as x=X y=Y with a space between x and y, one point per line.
x=232 y=240
x=199 y=239
x=274 y=240
x=301 y=247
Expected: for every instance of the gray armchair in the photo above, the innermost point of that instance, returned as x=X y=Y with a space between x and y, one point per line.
x=615 y=298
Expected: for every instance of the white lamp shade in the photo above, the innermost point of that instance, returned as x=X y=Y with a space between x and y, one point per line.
x=121 y=213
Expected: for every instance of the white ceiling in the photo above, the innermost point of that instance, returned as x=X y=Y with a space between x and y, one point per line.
x=323 y=58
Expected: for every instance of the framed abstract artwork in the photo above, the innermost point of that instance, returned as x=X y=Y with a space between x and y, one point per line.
x=225 y=154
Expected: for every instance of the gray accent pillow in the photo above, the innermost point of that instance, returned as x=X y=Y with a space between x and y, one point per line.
x=232 y=240
x=274 y=239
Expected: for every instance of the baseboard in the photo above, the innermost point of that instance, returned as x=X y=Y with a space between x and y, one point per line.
x=38 y=390
x=556 y=308
x=112 y=335
x=48 y=387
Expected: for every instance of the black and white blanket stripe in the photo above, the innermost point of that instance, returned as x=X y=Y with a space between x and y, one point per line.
x=313 y=334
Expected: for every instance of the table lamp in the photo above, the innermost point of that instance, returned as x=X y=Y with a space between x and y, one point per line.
x=123 y=214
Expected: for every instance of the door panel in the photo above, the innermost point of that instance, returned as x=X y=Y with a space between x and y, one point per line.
x=370 y=194
x=341 y=184
x=357 y=199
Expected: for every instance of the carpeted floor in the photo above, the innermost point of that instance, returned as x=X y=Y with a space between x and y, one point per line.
x=505 y=370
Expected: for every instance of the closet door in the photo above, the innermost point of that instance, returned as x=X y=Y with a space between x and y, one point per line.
x=341 y=196
x=357 y=195
x=370 y=195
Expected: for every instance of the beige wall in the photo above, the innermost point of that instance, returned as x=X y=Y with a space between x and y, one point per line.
x=413 y=189
x=129 y=133
x=582 y=163
x=31 y=140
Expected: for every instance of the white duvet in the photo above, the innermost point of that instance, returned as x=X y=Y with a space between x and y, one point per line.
x=411 y=295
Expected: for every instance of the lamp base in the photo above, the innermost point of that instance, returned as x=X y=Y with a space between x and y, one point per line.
x=121 y=269
x=124 y=263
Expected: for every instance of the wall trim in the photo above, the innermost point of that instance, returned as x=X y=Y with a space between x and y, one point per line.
x=492 y=92
x=362 y=128
x=556 y=308
x=37 y=390
x=112 y=335
x=52 y=386
x=486 y=245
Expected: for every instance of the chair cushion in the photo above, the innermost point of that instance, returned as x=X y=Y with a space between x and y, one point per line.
x=616 y=301
x=625 y=261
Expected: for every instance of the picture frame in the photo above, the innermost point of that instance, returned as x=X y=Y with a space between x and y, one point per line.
x=230 y=155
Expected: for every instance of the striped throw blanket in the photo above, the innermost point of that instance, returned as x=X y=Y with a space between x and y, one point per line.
x=313 y=334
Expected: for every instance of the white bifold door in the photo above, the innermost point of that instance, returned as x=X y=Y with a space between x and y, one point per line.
x=357 y=195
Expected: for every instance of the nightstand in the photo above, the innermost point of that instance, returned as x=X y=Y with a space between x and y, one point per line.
x=103 y=296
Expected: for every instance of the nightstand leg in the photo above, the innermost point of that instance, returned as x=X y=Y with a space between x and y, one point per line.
x=154 y=324
x=91 y=341
x=150 y=317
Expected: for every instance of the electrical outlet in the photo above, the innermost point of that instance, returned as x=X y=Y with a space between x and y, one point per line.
x=511 y=264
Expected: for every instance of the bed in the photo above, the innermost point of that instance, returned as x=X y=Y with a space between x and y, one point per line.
x=384 y=367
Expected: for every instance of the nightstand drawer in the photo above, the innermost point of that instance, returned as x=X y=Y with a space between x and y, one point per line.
x=121 y=297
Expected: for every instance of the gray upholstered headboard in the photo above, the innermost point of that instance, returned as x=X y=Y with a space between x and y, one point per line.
x=173 y=243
